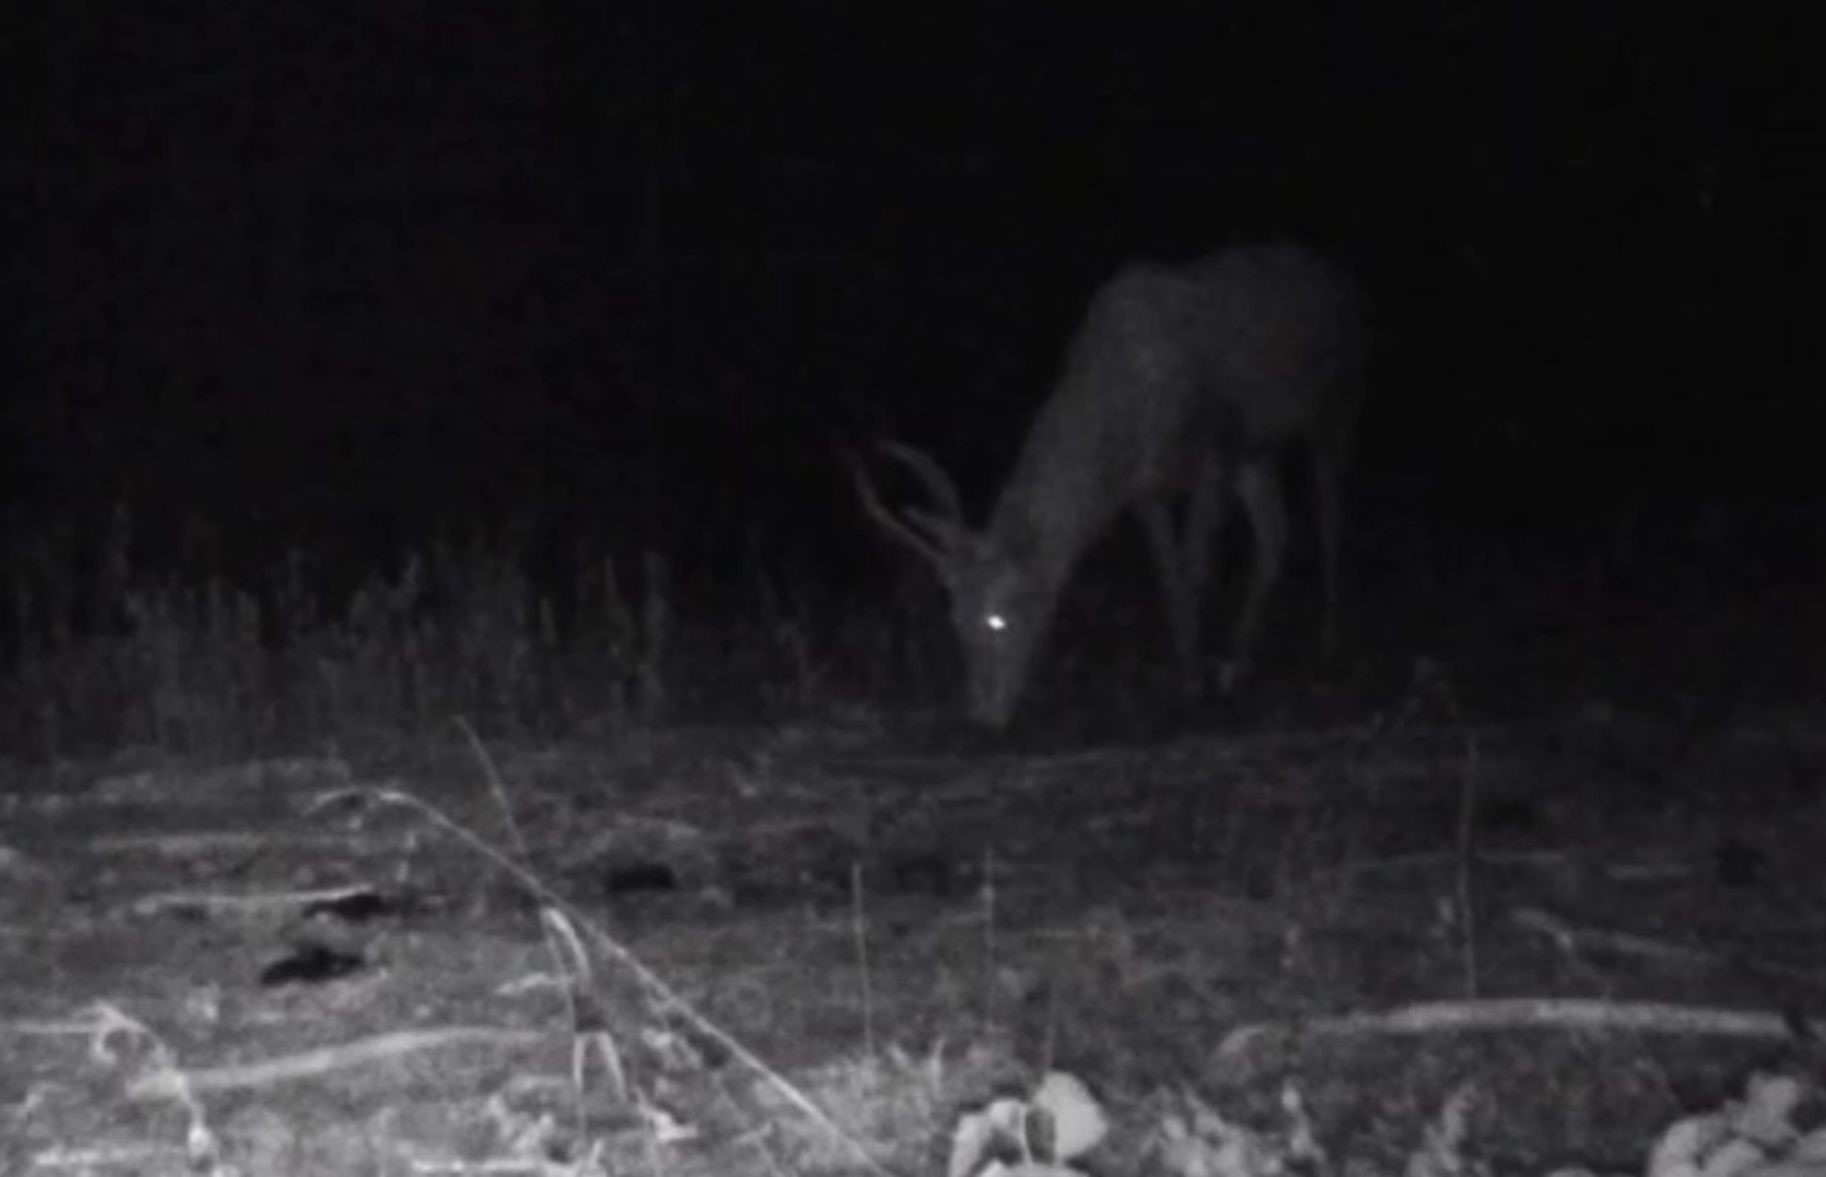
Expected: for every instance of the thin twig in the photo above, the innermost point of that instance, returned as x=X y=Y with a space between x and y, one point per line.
x=860 y=929
x=664 y=995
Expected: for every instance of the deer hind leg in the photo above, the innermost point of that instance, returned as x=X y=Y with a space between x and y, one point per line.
x=1183 y=565
x=1329 y=506
x=1258 y=484
x=1330 y=457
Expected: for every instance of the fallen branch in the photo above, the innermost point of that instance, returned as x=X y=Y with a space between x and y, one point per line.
x=168 y=1083
x=1572 y=939
x=1517 y=1014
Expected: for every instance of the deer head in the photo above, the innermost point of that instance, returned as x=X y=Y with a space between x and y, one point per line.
x=1002 y=602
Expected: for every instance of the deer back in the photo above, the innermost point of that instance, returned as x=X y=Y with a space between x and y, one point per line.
x=1172 y=368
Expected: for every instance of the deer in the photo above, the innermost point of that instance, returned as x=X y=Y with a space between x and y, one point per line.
x=1187 y=382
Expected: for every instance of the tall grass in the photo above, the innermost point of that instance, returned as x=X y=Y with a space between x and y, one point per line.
x=106 y=650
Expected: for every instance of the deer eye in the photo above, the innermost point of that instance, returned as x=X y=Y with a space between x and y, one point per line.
x=995 y=622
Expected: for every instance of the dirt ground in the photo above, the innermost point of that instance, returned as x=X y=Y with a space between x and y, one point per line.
x=1586 y=870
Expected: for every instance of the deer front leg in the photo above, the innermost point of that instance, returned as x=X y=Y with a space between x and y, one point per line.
x=1183 y=566
x=1258 y=484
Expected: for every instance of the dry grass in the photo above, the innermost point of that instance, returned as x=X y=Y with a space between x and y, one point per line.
x=616 y=935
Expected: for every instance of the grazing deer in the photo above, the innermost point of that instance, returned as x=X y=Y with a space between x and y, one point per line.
x=1181 y=381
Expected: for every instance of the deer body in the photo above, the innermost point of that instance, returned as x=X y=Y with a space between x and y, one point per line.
x=1181 y=382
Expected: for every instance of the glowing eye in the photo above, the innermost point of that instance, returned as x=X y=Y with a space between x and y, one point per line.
x=996 y=622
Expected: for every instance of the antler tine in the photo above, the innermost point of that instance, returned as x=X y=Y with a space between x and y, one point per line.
x=931 y=538
x=937 y=483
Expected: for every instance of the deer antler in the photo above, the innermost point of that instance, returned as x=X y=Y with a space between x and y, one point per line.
x=937 y=534
x=933 y=476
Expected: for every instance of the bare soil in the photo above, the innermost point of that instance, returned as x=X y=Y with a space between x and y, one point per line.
x=270 y=964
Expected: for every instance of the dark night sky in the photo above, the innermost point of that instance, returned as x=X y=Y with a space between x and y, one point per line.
x=345 y=272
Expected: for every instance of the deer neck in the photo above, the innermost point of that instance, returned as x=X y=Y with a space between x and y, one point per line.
x=1059 y=500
